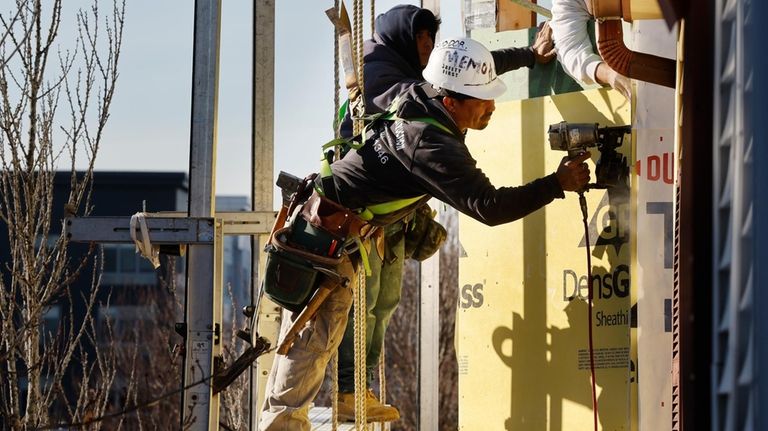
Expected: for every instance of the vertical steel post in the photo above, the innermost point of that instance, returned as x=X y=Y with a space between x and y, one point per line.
x=429 y=343
x=218 y=311
x=199 y=406
x=429 y=323
x=262 y=176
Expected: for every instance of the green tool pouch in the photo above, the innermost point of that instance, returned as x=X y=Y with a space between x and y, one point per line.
x=423 y=235
x=288 y=281
x=292 y=275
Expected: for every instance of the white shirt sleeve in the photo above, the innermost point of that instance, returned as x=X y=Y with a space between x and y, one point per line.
x=574 y=49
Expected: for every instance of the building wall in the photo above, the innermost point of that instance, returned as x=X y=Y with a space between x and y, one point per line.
x=522 y=343
x=518 y=324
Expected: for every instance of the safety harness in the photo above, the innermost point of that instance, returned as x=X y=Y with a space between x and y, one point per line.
x=344 y=145
x=348 y=44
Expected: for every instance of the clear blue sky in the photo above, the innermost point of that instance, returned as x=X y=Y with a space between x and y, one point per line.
x=150 y=120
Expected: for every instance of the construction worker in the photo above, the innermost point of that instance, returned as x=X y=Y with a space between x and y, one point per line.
x=417 y=155
x=393 y=60
x=574 y=48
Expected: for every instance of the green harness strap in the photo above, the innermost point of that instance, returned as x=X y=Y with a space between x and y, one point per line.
x=390 y=115
x=369 y=212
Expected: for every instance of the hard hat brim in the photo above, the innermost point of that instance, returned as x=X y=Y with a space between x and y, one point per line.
x=489 y=91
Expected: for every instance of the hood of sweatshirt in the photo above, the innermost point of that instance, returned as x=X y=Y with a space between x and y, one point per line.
x=396 y=29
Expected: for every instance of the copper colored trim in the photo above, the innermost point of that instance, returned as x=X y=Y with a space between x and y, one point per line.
x=635 y=65
x=610 y=9
x=626 y=10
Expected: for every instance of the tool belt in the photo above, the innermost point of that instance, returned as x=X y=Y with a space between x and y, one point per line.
x=292 y=274
x=311 y=245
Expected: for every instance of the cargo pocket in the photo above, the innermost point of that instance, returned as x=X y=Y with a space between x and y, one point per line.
x=328 y=327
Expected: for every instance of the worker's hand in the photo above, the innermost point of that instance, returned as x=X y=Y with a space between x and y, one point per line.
x=573 y=174
x=622 y=84
x=544 y=46
x=604 y=74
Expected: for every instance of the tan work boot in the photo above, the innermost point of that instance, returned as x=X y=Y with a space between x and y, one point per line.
x=375 y=410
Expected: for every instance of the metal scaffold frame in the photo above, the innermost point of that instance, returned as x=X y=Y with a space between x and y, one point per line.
x=202 y=230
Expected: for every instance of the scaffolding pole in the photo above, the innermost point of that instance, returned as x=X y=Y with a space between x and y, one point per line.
x=429 y=323
x=200 y=406
x=262 y=176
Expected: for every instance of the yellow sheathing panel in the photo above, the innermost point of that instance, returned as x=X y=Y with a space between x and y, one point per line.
x=519 y=338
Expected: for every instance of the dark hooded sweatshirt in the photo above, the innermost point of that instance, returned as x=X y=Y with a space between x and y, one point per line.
x=405 y=159
x=391 y=59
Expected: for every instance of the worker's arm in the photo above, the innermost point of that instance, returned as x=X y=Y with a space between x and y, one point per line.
x=508 y=59
x=454 y=178
x=542 y=51
x=574 y=48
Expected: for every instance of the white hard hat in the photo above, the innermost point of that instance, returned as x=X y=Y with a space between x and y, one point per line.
x=464 y=66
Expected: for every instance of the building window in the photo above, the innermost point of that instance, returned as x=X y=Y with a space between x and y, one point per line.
x=123 y=266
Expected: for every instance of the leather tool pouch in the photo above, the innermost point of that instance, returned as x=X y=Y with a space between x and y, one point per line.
x=311 y=246
x=325 y=214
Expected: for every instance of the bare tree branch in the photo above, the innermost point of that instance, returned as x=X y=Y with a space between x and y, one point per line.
x=37 y=73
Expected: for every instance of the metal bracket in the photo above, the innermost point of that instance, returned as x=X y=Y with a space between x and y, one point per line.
x=235 y=222
x=162 y=230
x=168 y=227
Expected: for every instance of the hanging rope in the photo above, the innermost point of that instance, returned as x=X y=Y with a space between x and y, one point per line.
x=382 y=372
x=356 y=109
x=373 y=17
x=361 y=419
x=361 y=393
x=336 y=85
x=357 y=44
x=336 y=135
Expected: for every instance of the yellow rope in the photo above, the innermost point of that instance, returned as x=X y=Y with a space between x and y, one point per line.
x=336 y=86
x=336 y=134
x=360 y=371
x=359 y=291
x=357 y=48
x=373 y=17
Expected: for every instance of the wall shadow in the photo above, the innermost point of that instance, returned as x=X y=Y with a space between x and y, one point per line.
x=549 y=365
